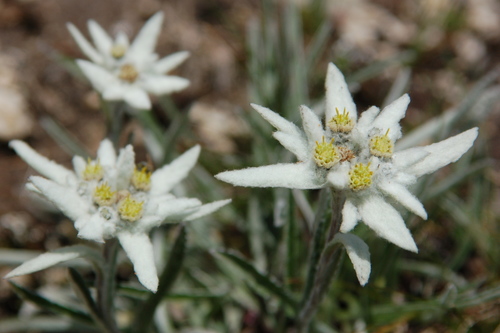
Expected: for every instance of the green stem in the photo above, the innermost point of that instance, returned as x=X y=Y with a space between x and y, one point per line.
x=106 y=285
x=327 y=266
x=321 y=222
x=84 y=294
x=291 y=244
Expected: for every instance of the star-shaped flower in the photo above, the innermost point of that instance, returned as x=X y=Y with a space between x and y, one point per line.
x=314 y=145
x=378 y=172
x=358 y=159
x=120 y=71
x=112 y=197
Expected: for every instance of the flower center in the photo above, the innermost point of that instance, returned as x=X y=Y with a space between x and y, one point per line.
x=93 y=171
x=118 y=51
x=128 y=73
x=326 y=154
x=360 y=177
x=130 y=209
x=142 y=179
x=103 y=196
x=341 y=122
x=381 y=145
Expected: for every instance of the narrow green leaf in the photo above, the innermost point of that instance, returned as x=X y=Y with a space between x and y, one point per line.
x=473 y=299
x=318 y=44
x=64 y=139
x=44 y=324
x=84 y=293
x=263 y=280
x=378 y=67
x=149 y=123
x=191 y=295
x=47 y=304
x=255 y=232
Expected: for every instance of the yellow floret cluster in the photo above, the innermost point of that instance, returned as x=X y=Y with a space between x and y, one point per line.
x=326 y=154
x=360 y=177
x=341 y=122
x=381 y=145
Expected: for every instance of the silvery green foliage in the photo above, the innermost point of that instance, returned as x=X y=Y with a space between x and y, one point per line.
x=111 y=198
x=121 y=70
x=356 y=158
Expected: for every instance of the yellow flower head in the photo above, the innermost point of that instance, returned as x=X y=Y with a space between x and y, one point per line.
x=326 y=154
x=118 y=51
x=141 y=180
x=360 y=177
x=93 y=171
x=103 y=196
x=130 y=209
x=341 y=122
x=128 y=73
x=381 y=145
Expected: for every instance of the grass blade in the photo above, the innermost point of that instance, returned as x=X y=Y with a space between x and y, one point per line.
x=265 y=281
x=47 y=304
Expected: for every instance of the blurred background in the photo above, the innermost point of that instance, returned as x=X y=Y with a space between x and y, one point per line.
x=444 y=53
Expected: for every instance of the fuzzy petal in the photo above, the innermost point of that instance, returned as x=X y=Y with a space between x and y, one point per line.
x=106 y=154
x=140 y=251
x=145 y=42
x=66 y=199
x=408 y=157
x=102 y=40
x=125 y=166
x=164 y=179
x=444 y=153
x=358 y=253
x=84 y=45
x=391 y=115
x=122 y=39
x=168 y=63
x=337 y=94
x=362 y=128
x=53 y=258
x=161 y=85
x=401 y=194
x=295 y=144
x=207 y=209
x=172 y=211
x=79 y=165
x=368 y=117
x=41 y=164
x=115 y=92
x=350 y=216
x=386 y=222
x=294 y=175
x=339 y=176
x=100 y=78
x=280 y=123
x=137 y=98
x=312 y=125
x=91 y=228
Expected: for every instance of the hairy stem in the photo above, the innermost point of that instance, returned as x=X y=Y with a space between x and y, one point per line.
x=326 y=267
x=106 y=285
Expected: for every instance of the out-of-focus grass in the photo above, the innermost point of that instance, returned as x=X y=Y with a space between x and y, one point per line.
x=245 y=267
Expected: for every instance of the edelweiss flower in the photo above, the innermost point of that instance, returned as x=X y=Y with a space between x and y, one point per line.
x=112 y=197
x=315 y=147
x=358 y=159
x=377 y=172
x=120 y=71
